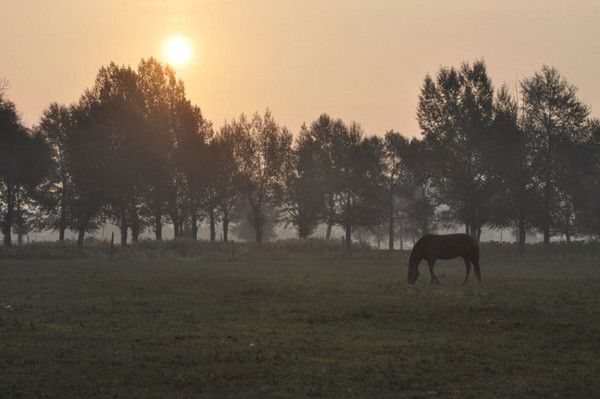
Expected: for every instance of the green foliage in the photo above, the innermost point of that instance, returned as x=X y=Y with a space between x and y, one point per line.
x=587 y=184
x=262 y=150
x=304 y=190
x=352 y=181
x=556 y=120
x=134 y=151
x=455 y=114
x=54 y=195
x=24 y=163
x=411 y=168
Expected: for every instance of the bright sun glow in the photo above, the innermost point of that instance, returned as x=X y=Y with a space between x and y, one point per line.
x=177 y=50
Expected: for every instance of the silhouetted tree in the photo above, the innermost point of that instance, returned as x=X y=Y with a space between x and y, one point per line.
x=555 y=119
x=359 y=189
x=226 y=178
x=509 y=154
x=55 y=125
x=322 y=133
x=87 y=160
x=193 y=161
x=587 y=194
x=161 y=92
x=117 y=97
x=455 y=114
x=418 y=162
x=23 y=223
x=262 y=151
x=395 y=145
x=24 y=161
x=304 y=190
x=136 y=152
x=3 y=86
x=245 y=229
x=351 y=178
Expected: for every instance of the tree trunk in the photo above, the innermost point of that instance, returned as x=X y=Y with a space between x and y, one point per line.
x=225 y=226
x=330 y=216
x=302 y=235
x=123 y=231
x=213 y=232
x=401 y=237
x=258 y=233
x=328 y=232
x=63 y=216
x=303 y=230
x=123 y=228
x=63 y=219
x=176 y=224
x=522 y=236
x=391 y=214
x=547 y=217
x=176 y=229
x=425 y=226
x=8 y=216
x=135 y=225
x=257 y=220
x=546 y=231
x=80 y=237
x=391 y=229
x=158 y=226
x=194 y=226
x=348 y=236
x=135 y=233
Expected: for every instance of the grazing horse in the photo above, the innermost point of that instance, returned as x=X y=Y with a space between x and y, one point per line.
x=432 y=247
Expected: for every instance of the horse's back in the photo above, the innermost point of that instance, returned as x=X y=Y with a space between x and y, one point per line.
x=449 y=246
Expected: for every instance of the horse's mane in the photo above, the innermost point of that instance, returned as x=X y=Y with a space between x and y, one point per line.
x=412 y=259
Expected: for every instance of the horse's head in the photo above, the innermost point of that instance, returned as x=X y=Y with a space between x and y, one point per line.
x=415 y=258
x=412 y=273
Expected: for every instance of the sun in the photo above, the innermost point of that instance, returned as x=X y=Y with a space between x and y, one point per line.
x=177 y=50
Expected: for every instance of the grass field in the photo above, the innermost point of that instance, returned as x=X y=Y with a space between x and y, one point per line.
x=299 y=322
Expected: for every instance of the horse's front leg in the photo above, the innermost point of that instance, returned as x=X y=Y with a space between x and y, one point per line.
x=468 y=267
x=431 y=264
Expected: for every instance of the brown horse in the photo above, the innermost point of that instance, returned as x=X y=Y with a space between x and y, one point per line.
x=432 y=247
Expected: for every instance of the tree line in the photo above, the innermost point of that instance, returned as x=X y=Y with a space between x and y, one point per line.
x=135 y=152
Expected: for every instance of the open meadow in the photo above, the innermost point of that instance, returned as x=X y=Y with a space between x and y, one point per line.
x=297 y=320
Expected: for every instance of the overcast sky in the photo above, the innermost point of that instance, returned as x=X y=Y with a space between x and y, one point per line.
x=354 y=59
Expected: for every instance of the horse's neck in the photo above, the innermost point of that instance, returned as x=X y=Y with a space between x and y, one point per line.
x=415 y=257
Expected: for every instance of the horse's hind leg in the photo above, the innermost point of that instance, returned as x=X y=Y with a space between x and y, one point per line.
x=477 y=270
x=468 y=267
x=434 y=279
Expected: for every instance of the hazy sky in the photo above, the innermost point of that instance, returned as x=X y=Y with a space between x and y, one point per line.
x=354 y=59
